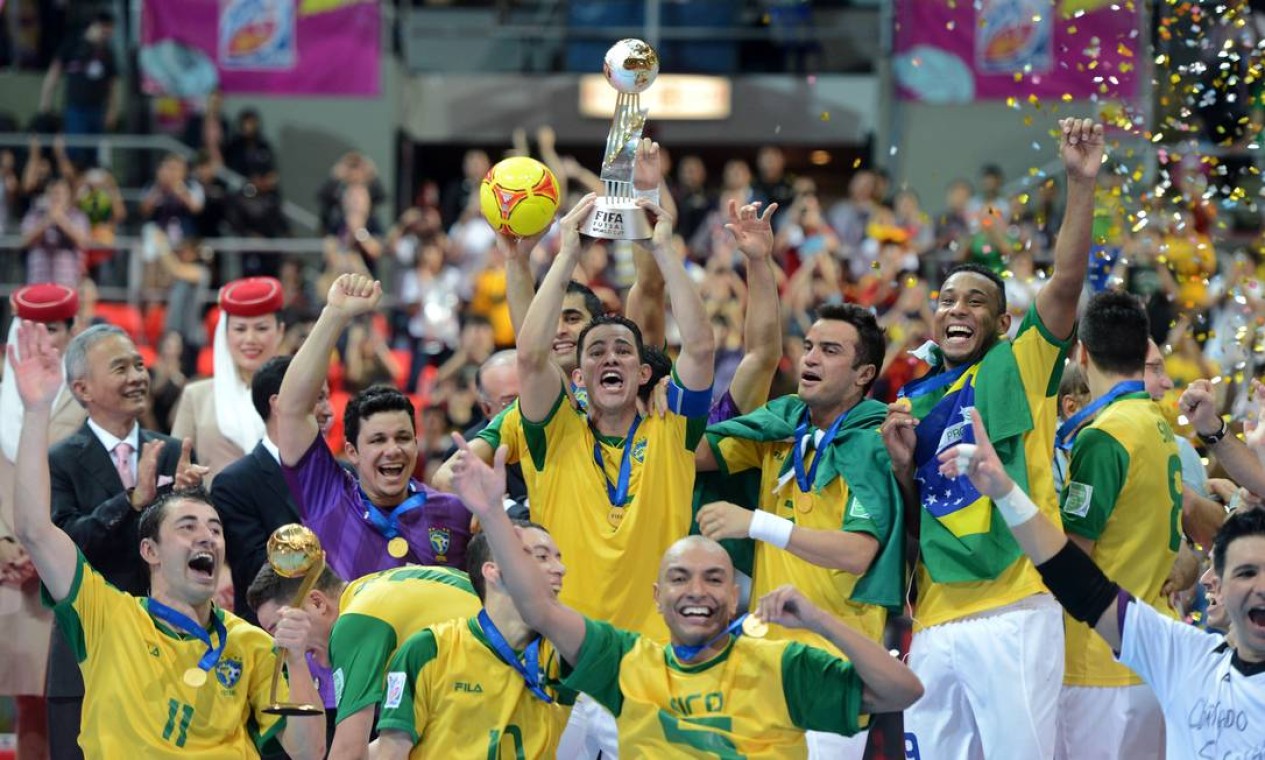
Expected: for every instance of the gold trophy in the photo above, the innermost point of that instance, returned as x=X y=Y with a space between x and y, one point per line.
x=294 y=551
x=630 y=67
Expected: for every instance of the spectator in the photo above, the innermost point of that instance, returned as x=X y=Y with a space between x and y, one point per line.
x=351 y=170
x=355 y=246
x=167 y=379
x=10 y=188
x=431 y=294
x=170 y=205
x=216 y=207
x=216 y=414
x=773 y=184
x=850 y=217
x=256 y=207
x=98 y=197
x=692 y=198
x=91 y=105
x=455 y=200
x=367 y=360
x=989 y=203
x=55 y=233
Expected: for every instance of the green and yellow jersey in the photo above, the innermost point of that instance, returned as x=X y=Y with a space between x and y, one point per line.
x=755 y=700
x=1036 y=367
x=612 y=553
x=136 y=703
x=1124 y=492
x=506 y=429
x=450 y=692
x=832 y=508
x=377 y=613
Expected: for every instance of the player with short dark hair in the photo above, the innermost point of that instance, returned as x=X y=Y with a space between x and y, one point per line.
x=168 y=673
x=485 y=683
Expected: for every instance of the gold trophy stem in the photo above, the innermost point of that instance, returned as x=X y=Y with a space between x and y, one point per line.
x=289 y=708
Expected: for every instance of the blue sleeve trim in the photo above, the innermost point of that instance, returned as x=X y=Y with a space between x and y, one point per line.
x=688 y=403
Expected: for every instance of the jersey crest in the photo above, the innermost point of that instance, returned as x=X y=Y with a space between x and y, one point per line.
x=440 y=539
x=228 y=672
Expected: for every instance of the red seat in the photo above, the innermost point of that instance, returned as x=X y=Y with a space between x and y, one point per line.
x=403 y=360
x=336 y=435
x=206 y=361
x=209 y=322
x=123 y=315
x=155 y=321
x=148 y=354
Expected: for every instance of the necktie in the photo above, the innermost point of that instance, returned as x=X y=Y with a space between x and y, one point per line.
x=123 y=463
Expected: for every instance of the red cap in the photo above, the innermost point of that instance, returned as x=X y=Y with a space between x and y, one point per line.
x=45 y=302
x=252 y=297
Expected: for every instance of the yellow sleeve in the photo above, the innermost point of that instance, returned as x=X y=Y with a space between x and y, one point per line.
x=737 y=454
x=83 y=613
x=1040 y=358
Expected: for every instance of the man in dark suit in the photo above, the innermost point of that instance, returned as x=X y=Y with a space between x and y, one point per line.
x=251 y=494
x=102 y=477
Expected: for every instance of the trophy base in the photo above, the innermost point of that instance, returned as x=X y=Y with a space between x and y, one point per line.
x=293 y=710
x=617 y=219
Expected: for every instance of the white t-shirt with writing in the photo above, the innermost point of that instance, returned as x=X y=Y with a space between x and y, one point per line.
x=1214 y=703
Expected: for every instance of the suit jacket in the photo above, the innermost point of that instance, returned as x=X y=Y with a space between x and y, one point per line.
x=195 y=419
x=253 y=501
x=91 y=505
x=24 y=630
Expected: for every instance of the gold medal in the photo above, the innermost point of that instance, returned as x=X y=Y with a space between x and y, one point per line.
x=615 y=516
x=397 y=547
x=195 y=677
x=754 y=627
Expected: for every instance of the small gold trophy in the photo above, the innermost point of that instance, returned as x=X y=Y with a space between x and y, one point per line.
x=294 y=551
x=630 y=67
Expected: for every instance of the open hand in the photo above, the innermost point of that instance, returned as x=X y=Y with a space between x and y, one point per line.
x=146 y=475
x=570 y=223
x=752 y=231
x=36 y=366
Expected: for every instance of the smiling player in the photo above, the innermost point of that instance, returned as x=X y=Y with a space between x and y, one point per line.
x=169 y=673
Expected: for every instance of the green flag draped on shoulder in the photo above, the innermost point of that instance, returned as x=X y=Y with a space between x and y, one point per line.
x=858 y=456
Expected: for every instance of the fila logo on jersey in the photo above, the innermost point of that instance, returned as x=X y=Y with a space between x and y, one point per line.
x=395 y=689
x=469 y=688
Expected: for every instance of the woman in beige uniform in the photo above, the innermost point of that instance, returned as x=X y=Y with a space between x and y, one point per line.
x=217 y=413
x=25 y=624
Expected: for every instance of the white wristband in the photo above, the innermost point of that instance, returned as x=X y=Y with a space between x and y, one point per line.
x=771 y=529
x=1015 y=507
x=650 y=195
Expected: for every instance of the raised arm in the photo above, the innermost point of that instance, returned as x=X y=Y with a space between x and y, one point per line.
x=835 y=549
x=1199 y=404
x=1083 y=590
x=482 y=488
x=519 y=285
x=646 y=305
x=37 y=369
x=349 y=296
x=1081 y=147
x=890 y=686
x=762 y=326
x=696 y=364
x=539 y=379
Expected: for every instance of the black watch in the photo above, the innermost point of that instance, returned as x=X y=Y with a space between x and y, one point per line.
x=1213 y=439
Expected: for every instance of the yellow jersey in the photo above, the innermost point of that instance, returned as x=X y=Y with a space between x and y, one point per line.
x=378 y=612
x=1124 y=492
x=136 y=703
x=451 y=693
x=754 y=700
x=612 y=554
x=1039 y=357
x=831 y=508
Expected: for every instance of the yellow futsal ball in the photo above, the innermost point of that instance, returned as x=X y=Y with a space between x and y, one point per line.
x=519 y=196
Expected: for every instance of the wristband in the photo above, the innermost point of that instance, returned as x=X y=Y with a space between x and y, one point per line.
x=651 y=195
x=1015 y=507
x=771 y=529
x=1212 y=439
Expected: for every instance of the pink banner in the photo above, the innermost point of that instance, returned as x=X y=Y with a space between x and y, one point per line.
x=282 y=47
x=959 y=51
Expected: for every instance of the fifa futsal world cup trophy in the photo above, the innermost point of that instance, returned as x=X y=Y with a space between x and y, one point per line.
x=294 y=551
x=630 y=67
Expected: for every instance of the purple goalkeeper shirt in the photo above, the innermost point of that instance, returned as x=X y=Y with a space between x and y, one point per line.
x=723 y=409
x=330 y=502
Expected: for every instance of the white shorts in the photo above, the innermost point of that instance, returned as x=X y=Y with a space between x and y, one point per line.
x=823 y=746
x=1106 y=723
x=591 y=729
x=991 y=684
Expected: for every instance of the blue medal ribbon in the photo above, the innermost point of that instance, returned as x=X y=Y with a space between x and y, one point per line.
x=931 y=383
x=183 y=622
x=618 y=493
x=1066 y=434
x=528 y=667
x=684 y=652
x=388 y=523
x=806 y=478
